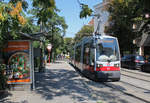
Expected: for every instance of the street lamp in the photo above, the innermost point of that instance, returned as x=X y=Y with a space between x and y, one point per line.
x=49 y=47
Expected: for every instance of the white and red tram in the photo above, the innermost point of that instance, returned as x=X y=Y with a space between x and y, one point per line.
x=98 y=57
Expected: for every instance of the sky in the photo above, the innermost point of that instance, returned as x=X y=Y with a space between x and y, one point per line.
x=70 y=10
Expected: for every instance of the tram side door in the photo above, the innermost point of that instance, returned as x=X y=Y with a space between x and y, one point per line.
x=86 y=53
x=88 y=57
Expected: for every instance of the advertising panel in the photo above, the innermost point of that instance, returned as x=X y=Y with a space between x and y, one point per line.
x=18 y=59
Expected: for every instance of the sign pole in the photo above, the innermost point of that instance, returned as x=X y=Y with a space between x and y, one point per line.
x=49 y=47
x=49 y=57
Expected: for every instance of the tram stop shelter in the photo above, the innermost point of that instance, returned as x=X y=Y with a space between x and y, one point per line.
x=19 y=58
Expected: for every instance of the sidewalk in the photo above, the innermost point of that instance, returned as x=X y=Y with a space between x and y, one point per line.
x=59 y=84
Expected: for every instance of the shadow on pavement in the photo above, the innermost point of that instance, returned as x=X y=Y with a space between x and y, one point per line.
x=105 y=95
x=3 y=97
x=66 y=82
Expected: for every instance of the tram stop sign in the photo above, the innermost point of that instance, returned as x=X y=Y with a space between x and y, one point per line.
x=49 y=47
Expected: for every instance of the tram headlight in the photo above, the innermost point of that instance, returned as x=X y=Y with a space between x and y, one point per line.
x=116 y=65
x=99 y=65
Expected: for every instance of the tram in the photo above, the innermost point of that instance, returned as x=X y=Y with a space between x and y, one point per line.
x=98 y=58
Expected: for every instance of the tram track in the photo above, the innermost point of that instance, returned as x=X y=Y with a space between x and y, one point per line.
x=128 y=93
x=112 y=86
x=129 y=71
x=135 y=77
x=134 y=86
x=92 y=89
x=116 y=87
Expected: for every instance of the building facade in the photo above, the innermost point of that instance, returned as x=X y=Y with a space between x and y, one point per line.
x=102 y=19
x=143 y=42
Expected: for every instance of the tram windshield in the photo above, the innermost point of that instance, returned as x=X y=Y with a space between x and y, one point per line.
x=107 y=50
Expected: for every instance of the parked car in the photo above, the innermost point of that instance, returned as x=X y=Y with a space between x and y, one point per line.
x=146 y=67
x=132 y=61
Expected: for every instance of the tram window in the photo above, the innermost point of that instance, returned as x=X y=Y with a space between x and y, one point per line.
x=86 y=54
x=78 y=53
x=92 y=56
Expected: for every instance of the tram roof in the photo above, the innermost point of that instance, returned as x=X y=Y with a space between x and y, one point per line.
x=89 y=38
x=107 y=36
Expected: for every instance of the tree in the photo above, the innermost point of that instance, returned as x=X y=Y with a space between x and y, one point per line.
x=57 y=28
x=145 y=4
x=12 y=20
x=44 y=10
x=86 y=30
x=46 y=14
x=85 y=10
x=123 y=13
x=144 y=22
x=68 y=45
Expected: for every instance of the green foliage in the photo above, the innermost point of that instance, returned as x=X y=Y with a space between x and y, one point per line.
x=30 y=27
x=11 y=21
x=44 y=3
x=85 y=11
x=123 y=13
x=24 y=3
x=57 y=24
x=86 y=30
x=68 y=45
x=145 y=4
x=57 y=28
x=36 y=44
x=44 y=9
